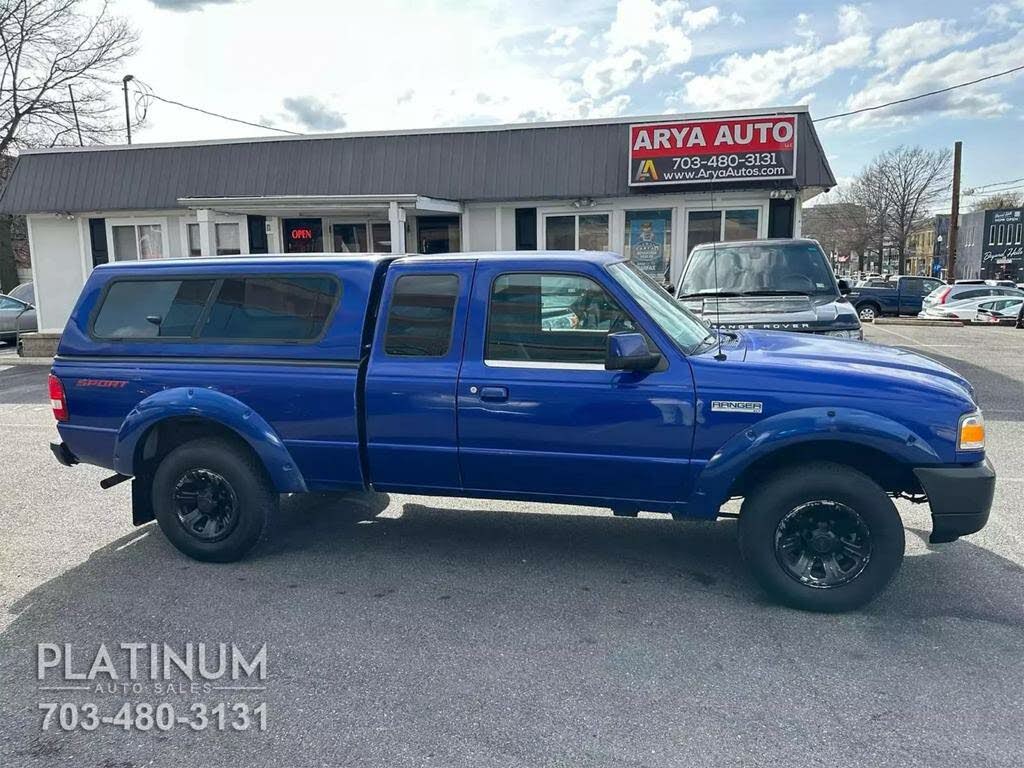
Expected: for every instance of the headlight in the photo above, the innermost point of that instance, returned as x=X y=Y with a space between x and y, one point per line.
x=857 y=333
x=972 y=432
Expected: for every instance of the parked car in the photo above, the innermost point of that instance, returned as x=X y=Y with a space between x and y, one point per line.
x=217 y=384
x=25 y=292
x=1009 y=311
x=779 y=285
x=16 y=317
x=968 y=309
x=898 y=295
x=947 y=294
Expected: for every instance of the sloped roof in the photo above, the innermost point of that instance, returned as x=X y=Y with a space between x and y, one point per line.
x=496 y=163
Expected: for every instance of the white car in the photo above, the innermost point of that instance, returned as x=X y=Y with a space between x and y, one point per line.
x=967 y=309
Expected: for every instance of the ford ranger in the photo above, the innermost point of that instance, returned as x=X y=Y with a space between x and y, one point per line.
x=216 y=385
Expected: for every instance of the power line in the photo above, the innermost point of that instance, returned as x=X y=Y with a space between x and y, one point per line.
x=983 y=187
x=151 y=95
x=921 y=95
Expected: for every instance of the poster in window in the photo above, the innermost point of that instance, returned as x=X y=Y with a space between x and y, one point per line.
x=647 y=248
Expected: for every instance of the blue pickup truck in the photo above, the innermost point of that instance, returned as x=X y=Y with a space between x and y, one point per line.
x=218 y=384
x=895 y=295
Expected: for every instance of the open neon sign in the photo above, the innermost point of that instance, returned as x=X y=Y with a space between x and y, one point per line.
x=302 y=234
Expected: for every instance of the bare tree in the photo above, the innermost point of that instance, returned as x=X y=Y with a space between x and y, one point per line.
x=913 y=182
x=999 y=200
x=49 y=45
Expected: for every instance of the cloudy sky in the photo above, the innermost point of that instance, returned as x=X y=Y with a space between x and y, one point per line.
x=329 y=65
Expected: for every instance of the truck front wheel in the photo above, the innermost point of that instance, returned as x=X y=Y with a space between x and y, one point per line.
x=821 y=537
x=212 y=499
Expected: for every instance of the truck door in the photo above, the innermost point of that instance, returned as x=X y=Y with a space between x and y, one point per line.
x=911 y=293
x=411 y=378
x=539 y=416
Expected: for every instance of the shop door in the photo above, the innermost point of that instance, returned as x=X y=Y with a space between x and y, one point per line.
x=303 y=236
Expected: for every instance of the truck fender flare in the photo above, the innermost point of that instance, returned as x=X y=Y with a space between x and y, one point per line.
x=196 y=402
x=806 y=425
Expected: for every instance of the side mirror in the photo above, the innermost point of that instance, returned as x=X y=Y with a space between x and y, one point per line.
x=629 y=352
x=844 y=286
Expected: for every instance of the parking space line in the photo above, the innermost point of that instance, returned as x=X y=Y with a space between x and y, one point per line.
x=912 y=340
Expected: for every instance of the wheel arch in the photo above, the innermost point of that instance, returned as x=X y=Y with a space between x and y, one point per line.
x=879 y=447
x=170 y=417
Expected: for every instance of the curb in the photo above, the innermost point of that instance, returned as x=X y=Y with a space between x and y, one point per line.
x=14 y=360
x=918 y=321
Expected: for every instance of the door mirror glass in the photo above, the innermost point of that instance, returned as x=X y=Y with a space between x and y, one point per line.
x=844 y=286
x=629 y=352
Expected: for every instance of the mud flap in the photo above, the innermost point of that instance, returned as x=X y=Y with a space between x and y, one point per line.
x=142 y=500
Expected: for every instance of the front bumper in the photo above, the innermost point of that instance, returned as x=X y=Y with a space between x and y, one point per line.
x=960 y=498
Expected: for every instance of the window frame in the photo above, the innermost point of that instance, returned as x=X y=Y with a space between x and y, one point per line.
x=135 y=223
x=218 y=279
x=575 y=214
x=218 y=218
x=558 y=366
x=451 y=326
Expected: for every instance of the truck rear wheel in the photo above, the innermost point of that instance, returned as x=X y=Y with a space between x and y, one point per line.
x=822 y=537
x=212 y=499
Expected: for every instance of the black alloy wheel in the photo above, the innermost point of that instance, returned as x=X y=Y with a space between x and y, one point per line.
x=206 y=504
x=823 y=544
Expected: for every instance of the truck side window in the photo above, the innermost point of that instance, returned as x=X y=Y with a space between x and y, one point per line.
x=554 y=318
x=151 y=309
x=420 y=316
x=271 y=308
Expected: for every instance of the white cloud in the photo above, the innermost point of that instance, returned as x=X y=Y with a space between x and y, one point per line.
x=774 y=75
x=606 y=76
x=564 y=36
x=981 y=100
x=705 y=17
x=852 y=21
x=918 y=41
x=736 y=19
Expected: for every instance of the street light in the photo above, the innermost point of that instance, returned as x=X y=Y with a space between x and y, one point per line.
x=127 y=116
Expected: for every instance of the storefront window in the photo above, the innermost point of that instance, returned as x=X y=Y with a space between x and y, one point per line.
x=584 y=232
x=438 y=234
x=716 y=226
x=703 y=227
x=229 y=242
x=303 y=236
x=560 y=233
x=349 y=238
x=137 y=241
x=380 y=234
x=741 y=224
x=648 y=242
x=195 y=247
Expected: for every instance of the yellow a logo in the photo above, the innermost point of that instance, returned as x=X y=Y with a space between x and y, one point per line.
x=647 y=171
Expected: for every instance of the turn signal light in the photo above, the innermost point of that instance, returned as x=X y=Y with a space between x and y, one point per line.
x=972 y=432
x=58 y=402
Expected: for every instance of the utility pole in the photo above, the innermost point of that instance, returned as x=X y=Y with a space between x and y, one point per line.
x=954 y=214
x=74 y=111
x=127 y=115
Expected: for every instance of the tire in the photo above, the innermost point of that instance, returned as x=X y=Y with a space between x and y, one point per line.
x=869 y=312
x=781 y=530
x=212 y=499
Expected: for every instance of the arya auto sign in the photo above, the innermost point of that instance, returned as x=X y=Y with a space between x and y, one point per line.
x=722 y=150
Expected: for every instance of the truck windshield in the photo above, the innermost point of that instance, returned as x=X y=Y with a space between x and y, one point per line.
x=685 y=329
x=758 y=269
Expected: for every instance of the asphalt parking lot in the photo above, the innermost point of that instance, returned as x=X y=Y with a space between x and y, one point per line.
x=452 y=632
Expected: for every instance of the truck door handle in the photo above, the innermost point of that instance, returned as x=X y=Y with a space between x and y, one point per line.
x=494 y=393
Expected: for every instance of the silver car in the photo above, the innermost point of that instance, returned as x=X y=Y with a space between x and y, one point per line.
x=947 y=294
x=968 y=309
x=15 y=317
